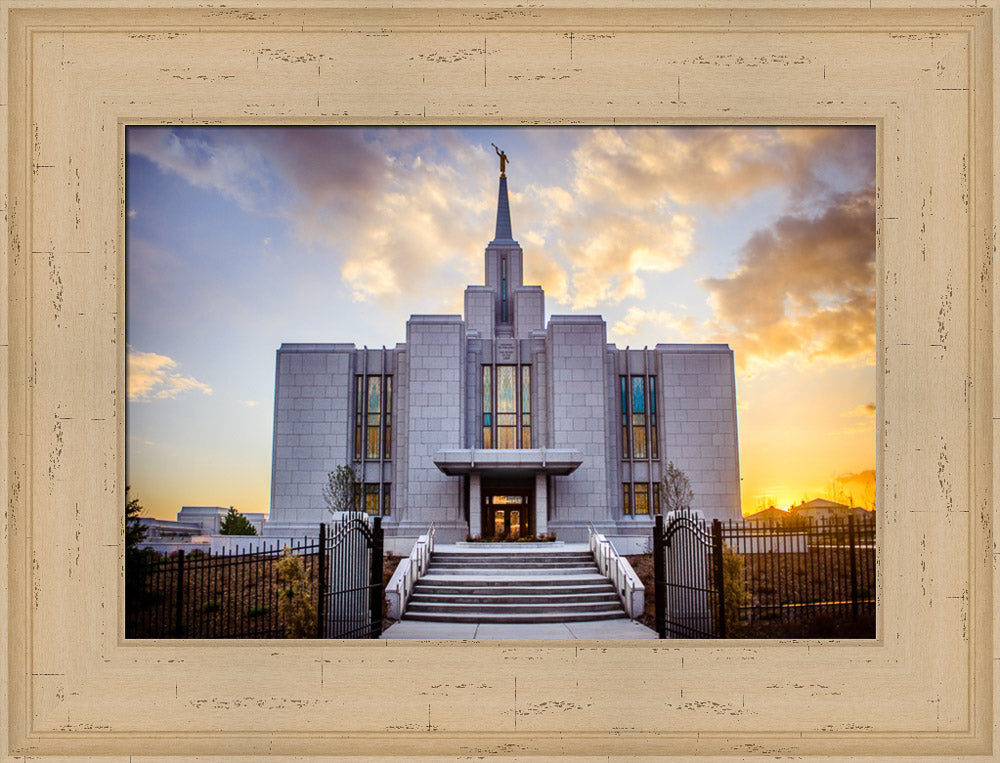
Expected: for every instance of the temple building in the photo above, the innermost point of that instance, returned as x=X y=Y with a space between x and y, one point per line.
x=498 y=424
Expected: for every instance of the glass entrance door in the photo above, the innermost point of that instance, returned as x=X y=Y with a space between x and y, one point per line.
x=507 y=513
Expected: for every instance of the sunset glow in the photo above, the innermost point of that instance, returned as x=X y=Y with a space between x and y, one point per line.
x=239 y=239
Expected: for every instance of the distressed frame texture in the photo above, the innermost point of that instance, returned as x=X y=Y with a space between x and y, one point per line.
x=75 y=76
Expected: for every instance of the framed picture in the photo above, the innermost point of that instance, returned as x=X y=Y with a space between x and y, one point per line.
x=923 y=78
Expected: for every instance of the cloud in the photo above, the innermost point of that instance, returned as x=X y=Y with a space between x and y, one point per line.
x=151 y=376
x=132 y=213
x=379 y=204
x=804 y=287
x=629 y=201
x=863 y=420
x=679 y=328
x=855 y=488
x=402 y=211
x=865 y=410
x=718 y=165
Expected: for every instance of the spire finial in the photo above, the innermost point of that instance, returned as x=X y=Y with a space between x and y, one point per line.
x=503 y=160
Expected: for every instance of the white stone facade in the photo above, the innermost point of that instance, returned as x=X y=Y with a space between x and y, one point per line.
x=430 y=453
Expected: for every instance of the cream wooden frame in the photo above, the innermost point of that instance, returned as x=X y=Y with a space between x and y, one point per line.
x=923 y=75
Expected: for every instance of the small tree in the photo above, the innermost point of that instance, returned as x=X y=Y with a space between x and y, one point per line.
x=677 y=493
x=342 y=491
x=135 y=533
x=294 y=608
x=235 y=523
x=137 y=562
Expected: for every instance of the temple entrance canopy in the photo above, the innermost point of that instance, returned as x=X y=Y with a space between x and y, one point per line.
x=508 y=489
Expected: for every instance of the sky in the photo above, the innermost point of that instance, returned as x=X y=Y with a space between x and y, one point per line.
x=241 y=238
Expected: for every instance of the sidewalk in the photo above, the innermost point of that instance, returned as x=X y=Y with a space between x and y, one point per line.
x=622 y=628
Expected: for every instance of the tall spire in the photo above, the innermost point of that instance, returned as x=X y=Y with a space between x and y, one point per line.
x=503 y=232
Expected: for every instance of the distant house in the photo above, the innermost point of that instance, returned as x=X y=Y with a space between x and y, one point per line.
x=770 y=515
x=822 y=510
x=194 y=528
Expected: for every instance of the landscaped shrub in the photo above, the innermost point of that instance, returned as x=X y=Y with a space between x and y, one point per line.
x=295 y=610
x=734 y=593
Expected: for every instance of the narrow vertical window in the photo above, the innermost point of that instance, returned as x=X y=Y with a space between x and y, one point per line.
x=638 y=417
x=503 y=290
x=359 y=408
x=371 y=497
x=626 y=502
x=506 y=407
x=653 y=438
x=656 y=497
x=625 y=448
x=641 y=498
x=525 y=406
x=386 y=487
x=374 y=416
x=487 y=407
x=387 y=445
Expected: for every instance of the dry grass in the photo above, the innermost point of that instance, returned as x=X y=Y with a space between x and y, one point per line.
x=221 y=600
x=775 y=579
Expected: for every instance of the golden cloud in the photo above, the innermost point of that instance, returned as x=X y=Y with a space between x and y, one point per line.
x=804 y=286
x=675 y=327
x=150 y=376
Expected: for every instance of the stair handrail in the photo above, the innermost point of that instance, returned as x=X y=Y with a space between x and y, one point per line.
x=413 y=568
x=617 y=569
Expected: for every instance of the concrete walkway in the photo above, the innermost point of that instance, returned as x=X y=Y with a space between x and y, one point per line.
x=622 y=628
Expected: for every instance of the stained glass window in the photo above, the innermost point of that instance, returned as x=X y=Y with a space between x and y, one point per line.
x=656 y=497
x=639 y=434
x=641 y=498
x=374 y=416
x=371 y=498
x=625 y=498
x=487 y=407
x=385 y=498
x=504 y=421
x=638 y=417
x=506 y=407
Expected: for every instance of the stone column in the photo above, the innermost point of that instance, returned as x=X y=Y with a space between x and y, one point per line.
x=541 y=504
x=475 y=506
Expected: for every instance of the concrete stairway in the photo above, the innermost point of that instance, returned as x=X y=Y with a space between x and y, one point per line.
x=513 y=583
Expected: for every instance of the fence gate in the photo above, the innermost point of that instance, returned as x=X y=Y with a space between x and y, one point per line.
x=350 y=580
x=687 y=578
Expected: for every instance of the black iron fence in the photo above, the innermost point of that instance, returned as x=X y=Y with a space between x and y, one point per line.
x=237 y=595
x=740 y=579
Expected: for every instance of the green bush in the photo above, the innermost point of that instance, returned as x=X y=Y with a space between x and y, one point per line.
x=734 y=593
x=294 y=608
x=235 y=523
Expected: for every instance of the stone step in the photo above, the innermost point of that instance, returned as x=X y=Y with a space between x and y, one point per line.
x=519 y=609
x=478 y=589
x=524 y=576
x=494 y=598
x=513 y=585
x=498 y=556
x=491 y=617
x=449 y=564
